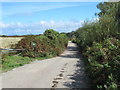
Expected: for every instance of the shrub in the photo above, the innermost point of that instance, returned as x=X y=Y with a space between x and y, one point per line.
x=50 y=44
x=51 y=34
x=103 y=63
x=99 y=42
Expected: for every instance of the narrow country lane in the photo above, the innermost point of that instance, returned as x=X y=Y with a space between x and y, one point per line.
x=64 y=71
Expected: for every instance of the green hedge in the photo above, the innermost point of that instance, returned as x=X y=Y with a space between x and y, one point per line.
x=50 y=44
x=99 y=42
x=103 y=63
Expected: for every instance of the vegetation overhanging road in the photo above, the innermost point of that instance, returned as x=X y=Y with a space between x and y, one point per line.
x=64 y=71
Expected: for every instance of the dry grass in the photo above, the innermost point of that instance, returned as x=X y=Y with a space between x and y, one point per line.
x=7 y=42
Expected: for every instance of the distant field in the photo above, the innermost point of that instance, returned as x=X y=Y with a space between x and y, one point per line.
x=6 y=42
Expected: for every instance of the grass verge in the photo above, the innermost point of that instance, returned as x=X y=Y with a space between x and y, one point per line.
x=10 y=62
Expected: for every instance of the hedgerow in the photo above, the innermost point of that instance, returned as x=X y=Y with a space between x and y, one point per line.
x=50 y=44
x=99 y=42
x=103 y=63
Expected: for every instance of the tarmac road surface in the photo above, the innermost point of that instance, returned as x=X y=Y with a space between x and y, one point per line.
x=64 y=71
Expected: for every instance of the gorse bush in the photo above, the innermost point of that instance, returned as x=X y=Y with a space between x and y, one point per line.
x=50 y=44
x=99 y=42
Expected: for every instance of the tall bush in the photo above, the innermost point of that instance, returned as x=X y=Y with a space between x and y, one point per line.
x=47 y=45
x=100 y=43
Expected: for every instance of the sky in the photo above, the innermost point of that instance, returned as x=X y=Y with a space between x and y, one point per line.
x=21 y=18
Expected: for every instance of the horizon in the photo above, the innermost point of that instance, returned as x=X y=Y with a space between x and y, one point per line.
x=24 y=18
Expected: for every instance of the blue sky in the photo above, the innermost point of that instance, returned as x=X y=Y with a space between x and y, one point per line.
x=20 y=18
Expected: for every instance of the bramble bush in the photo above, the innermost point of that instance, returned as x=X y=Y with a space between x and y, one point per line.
x=50 y=44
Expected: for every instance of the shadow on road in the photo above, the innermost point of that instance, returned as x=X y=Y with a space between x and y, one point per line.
x=72 y=48
x=69 y=56
x=72 y=54
x=79 y=78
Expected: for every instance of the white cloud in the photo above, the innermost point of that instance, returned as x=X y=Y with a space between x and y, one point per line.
x=38 y=28
x=3 y=25
x=42 y=22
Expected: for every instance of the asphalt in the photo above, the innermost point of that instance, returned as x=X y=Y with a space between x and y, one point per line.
x=64 y=71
